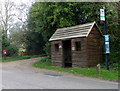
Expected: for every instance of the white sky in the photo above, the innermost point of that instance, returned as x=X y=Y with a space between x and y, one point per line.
x=20 y=14
x=19 y=1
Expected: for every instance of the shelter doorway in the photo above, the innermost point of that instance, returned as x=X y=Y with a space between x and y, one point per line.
x=67 y=58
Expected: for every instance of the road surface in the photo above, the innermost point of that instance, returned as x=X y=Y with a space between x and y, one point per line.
x=21 y=75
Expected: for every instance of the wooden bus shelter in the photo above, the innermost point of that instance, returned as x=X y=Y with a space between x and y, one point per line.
x=77 y=46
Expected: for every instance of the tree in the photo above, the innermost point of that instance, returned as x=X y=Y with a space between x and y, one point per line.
x=18 y=38
x=6 y=18
x=6 y=15
x=48 y=16
x=34 y=41
x=0 y=42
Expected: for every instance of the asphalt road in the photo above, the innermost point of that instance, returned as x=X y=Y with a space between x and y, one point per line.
x=21 y=75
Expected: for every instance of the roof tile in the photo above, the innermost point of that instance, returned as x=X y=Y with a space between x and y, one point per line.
x=72 y=32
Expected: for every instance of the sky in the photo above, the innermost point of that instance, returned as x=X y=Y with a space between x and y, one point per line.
x=18 y=13
x=19 y=1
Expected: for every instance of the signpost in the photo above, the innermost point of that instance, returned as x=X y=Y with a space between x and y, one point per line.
x=102 y=14
x=106 y=37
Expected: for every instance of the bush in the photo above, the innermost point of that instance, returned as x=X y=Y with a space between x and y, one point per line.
x=25 y=57
x=12 y=50
x=47 y=49
x=113 y=59
x=46 y=59
x=114 y=55
x=41 y=55
x=112 y=65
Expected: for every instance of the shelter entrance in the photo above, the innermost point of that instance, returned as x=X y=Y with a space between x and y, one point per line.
x=67 y=58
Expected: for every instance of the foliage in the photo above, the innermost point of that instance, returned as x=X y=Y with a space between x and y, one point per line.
x=46 y=17
x=41 y=55
x=22 y=50
x=47 y=49
x=10 y=48
x=45 y=63
x=34 y=41
x=45 y=59
x=113 y=65
x=18 y=38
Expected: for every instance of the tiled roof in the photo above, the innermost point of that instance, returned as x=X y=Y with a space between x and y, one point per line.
x=72 y=32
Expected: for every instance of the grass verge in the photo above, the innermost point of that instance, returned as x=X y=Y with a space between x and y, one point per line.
x=20 y=58
x=45 y=63
x=15 y=59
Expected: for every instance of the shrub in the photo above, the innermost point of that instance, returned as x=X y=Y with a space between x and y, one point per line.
x=46 y=59
x=112 y=65
x=47 y=49
x=26 y=57
x=12 y=50
x=41 y=55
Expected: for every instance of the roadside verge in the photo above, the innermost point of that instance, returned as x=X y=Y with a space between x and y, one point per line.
x=111 y=75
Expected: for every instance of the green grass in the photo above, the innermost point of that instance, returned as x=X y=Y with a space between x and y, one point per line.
x=111 y=74
x=41 y=55
x=20 y=58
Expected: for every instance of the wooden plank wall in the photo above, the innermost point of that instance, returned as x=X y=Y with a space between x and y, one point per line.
x=79 y=58
x=94 y=47
x=56 y=56
x=90 y=54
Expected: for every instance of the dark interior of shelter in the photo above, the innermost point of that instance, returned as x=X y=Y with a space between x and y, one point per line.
x=67 y=60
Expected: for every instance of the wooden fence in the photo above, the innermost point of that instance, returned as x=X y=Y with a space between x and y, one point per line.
x=29 y=53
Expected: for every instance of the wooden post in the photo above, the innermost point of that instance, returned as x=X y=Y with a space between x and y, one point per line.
x=98 y=68
x=5 y=56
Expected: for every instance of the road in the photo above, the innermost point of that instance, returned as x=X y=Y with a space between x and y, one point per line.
x=21 y=75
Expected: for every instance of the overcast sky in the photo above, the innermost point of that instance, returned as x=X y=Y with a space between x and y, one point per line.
x=18 y=10
x=19 y=1
x=18 y=13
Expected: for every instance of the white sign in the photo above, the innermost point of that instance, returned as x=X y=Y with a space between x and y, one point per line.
x=107 y=47
x=60 y=46
x=102 y=14
x=73 y=48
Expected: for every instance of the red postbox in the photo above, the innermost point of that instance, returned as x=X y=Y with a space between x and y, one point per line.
x=4 y=52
